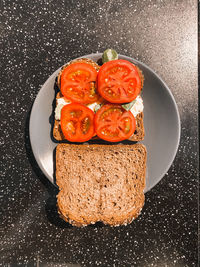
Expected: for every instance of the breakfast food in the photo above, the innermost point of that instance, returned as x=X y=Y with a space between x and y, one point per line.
x=78 y=83
x=77 y=122
x=136 y=110
x=78 y=60
x=119 y=81
x=100 y=183
x=116 y=84
x=113 y=123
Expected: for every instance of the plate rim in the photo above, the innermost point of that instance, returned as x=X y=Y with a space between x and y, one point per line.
x=126 y=58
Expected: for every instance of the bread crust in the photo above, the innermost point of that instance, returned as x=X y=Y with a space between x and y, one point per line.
x=126 y=218
x=103 y=214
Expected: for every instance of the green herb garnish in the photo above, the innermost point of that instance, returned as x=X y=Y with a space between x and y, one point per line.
x=97 y=107
x=128 y=106
x=108 y=55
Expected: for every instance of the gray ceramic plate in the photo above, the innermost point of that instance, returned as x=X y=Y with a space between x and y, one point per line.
x=161 y=121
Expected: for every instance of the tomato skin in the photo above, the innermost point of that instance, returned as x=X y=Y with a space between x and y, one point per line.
x=113 y=123
x=78 y=83
x=119 y=81
x=77 y=122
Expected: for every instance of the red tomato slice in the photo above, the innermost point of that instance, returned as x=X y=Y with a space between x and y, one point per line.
x=77 y=122
x=78 y=83
x=119 y=81
x=113 y=123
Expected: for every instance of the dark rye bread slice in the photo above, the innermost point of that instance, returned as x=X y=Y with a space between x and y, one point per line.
x=137 y=136
x=100 y=183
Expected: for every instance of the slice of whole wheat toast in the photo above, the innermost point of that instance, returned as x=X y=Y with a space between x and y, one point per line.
x=100 y=183
x=57 y=131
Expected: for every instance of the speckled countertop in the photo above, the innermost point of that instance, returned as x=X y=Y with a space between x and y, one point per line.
x=37 y=37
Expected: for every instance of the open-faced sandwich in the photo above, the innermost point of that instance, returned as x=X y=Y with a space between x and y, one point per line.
x=99 y=101
x=100 y=182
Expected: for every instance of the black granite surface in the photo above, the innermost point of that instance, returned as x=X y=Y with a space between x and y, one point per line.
x=37 y=37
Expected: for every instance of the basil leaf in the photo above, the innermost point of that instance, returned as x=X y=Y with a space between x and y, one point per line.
x=108 y=55
x=97 y=107
x=128 y=106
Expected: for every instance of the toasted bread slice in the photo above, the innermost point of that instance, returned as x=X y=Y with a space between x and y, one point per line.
x=109 y=189
x=57 y=132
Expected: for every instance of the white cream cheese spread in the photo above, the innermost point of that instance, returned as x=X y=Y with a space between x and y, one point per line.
x=61 y=102
x=138 y=107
